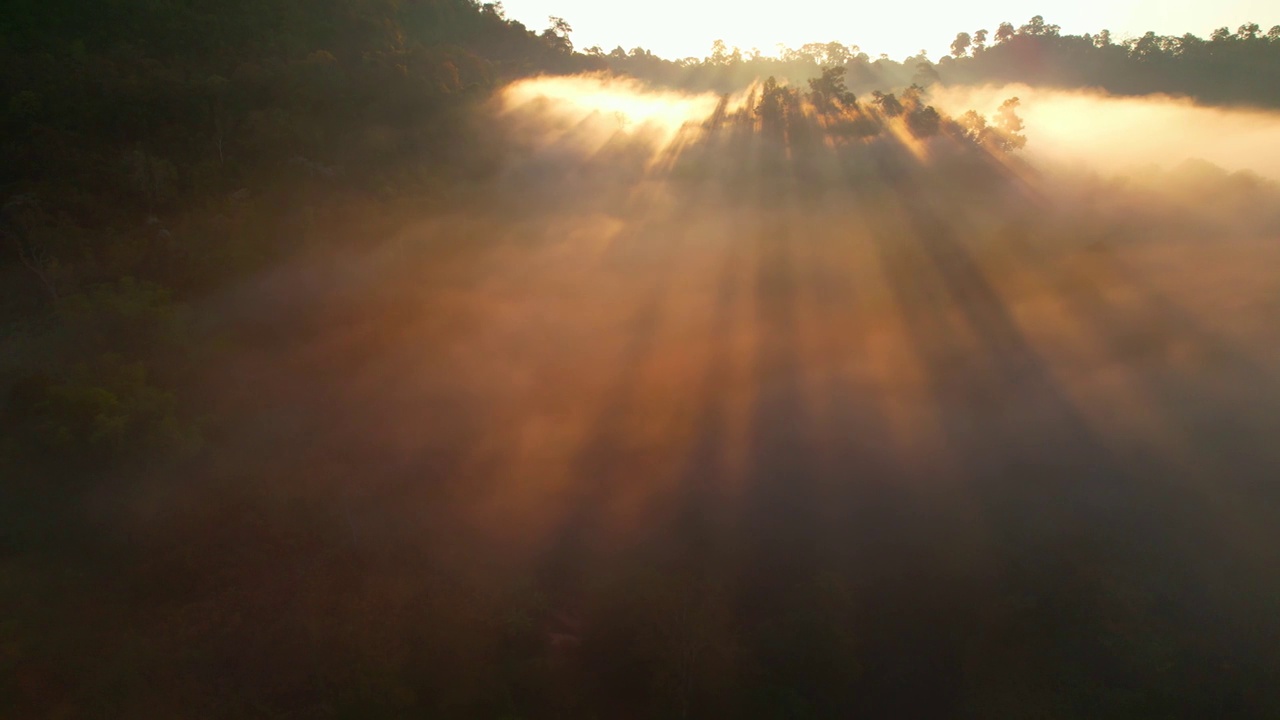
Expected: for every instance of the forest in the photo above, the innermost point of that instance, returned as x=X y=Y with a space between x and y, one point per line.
x=390 y=358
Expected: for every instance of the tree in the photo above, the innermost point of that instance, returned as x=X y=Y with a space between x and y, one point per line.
x=1249 y=31
x=828 y=92
x=925 y=74
x=719 y=53
x=558 y=34
x=1005 y=32
x=1036 y=27
x=974 y=125
x=770 y=107
x=837 y=53
x=924 y=121
x=1103 y=38
x=1187 y=43
x=979 y=41
x=560 y=26
x=1010 y=125
x=1145 y=47
x=961 y=44
x=887 y=103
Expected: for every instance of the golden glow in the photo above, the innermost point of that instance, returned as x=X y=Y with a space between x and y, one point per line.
x=1123 y=134
x=613 y=103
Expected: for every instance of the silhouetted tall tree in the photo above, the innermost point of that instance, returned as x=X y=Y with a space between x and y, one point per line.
x=829 y=93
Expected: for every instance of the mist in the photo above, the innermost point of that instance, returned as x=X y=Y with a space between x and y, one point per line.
x=416 y=364
x=668 y=378
x=1104 y=133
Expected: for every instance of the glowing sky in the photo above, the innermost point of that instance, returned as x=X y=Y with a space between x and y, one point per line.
x=680 y=28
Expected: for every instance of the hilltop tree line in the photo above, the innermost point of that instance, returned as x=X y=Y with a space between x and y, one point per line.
x=1240 y=67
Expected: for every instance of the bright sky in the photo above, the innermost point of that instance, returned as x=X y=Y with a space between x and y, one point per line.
x=681 y=28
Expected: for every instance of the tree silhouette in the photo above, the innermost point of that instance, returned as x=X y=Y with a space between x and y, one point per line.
x=979 y=41
x=1010 y=125
x=1249 y=31
x=558 y=34
x=888 y=104
x=770 y=109
x=1036 y=27
x=828 y=92
x=719 y=53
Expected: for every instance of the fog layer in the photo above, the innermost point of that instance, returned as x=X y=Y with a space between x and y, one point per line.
x=695 y=407
x=1099 y=132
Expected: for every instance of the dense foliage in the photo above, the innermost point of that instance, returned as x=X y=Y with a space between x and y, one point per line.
x=1241 y=67
x=152 y=151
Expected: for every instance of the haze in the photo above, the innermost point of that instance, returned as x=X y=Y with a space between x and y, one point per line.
x=393 y=359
